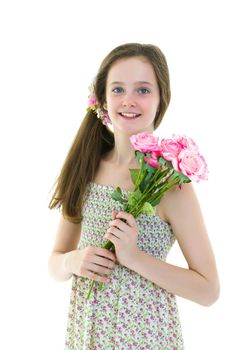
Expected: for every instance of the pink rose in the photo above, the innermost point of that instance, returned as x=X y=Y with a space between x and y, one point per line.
x=153 y=160
x=192 y=164
x=144 y=142
x=170 y=149
x=185 y=142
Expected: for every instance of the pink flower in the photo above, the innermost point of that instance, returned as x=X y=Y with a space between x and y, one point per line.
x=153 y=160
x=106 y=119
x=192 y=164
x=92 y=101
x=185 y=142
x=144 y=142
x=170 y=150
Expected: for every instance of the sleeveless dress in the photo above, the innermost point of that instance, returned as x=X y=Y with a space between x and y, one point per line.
x=130 y=312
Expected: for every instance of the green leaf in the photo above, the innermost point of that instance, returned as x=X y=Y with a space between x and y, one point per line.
x=155 y=202
x=161 y=160
x=150 y=169
x=182 y=178
x=125 y=207
x=139 y=156
x=157 y=198
x=146 y=166
x=134 y=175
x=165 y=162
x=131 y=201
x=137 y=194
x=147 y=208
x=134 y=197
x=117 y=194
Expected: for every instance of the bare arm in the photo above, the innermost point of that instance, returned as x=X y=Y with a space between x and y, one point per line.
x=66 y=260
x=67 y=238
x=199 y=282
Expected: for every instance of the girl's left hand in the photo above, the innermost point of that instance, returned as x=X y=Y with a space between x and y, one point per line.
x=124 y=236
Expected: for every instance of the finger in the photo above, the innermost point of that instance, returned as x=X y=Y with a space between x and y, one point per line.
x=114 y=231
x=105 y=262
x=105 y=253
x=111 y=238
x=121 y=225
x=99 y=269
x=114 y=213
x=128 y=217
x=96 y=277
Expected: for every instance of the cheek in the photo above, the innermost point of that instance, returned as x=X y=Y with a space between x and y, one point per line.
x=112 y=103
x=108 y=99
x=150 y=105
x=155 y=100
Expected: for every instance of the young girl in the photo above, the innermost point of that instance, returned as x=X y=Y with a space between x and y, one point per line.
x=136 y=308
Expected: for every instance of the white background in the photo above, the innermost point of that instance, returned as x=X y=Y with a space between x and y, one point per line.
x=50 y=51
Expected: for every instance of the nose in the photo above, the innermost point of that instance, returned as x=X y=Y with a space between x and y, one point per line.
x=128 y=101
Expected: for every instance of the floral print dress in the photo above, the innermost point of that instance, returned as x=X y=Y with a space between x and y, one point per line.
x=130 y=312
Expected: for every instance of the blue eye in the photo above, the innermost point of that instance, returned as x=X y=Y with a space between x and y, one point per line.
x=143 y=91
x=118 y=90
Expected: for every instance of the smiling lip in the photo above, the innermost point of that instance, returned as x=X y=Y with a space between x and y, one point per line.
x=129 y=115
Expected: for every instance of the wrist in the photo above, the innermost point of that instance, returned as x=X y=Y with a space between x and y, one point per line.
x=67 y=263
x=135 y=260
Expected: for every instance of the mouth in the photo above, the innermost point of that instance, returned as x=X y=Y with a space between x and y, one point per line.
x=129 y=115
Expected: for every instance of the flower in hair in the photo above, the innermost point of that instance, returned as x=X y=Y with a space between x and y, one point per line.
x=96 y=107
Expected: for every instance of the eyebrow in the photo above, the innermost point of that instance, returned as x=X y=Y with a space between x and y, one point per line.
x=136 y=83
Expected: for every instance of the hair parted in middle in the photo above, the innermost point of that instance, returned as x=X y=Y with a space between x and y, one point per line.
x=94 y=139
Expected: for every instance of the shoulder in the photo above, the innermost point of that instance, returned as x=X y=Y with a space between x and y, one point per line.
x=183 y=212
x=179 y=203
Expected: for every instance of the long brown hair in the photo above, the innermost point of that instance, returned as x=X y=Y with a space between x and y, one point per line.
x=94 y=139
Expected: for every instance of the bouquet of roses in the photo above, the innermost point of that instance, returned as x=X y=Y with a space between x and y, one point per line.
x=164 y=163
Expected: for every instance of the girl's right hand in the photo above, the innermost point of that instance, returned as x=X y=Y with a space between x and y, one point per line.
x=91 y=260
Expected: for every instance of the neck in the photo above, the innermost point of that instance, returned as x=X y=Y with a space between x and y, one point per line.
x=122 y=154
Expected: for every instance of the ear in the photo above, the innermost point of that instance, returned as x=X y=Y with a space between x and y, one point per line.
x=105 y=106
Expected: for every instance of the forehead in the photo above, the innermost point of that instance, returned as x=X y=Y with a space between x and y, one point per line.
x=131 y=69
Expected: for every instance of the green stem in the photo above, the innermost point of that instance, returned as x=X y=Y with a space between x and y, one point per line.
x=147 y=191
x=158 y=195
x=138 y=178
x=90 y=290
x=109 y=245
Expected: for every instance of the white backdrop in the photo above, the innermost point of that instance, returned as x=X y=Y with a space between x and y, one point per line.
x=50 y=51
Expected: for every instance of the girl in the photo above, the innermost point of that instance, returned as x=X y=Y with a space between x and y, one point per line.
x=136 y=308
